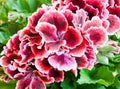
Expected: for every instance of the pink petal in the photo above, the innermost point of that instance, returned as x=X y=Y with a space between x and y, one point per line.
x=39 y=52
x=115 y=10
x=91 y=57
x=10 y=73
x=25 y=52
x=54 y=46
x=32 y=38
x=24 y=82
x=97 y=3
x=46 y=78
x=105 y=24
x=117 y=2
x=111 y=3
x=19 y=76
x=69 y=16
x=47 y=31
x=71 y=7
x=33 y=20
x=42 y=65
x=98 y=35
x=5 y=61
x=114 y=24
x=62 y=62
x=82 y=62
x=8 y=60
x=104 y=13
x=6 y=50
x=91 y=11
x=79 y=18
x=80 y=3
x=24 y=33
x=35 y=39
x=75 y=72
x=55 y=18
x=11 y=42
x=95 y=22
x=101 y=6
x=79 y=50
x=15 y=41
x=73 y=37
x=57 y=75
x=37 y=83
x=20 y=66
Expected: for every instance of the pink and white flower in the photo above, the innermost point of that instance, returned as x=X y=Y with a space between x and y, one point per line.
x=57 y=39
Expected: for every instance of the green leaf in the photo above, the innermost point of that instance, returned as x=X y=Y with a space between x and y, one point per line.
x=118 y=34
x=24 y=6
x=85 y=77
x=32 y=5
x=106 y=49
x=116 y=83
x=69 y=81
x=66 y=84
x=4 y=37
x=91 y=86
x=116 y=58
x=104 y=76
x=54 y=86
x=9 y=85
x=3 y=14
x=45 y=1
x=101 y=75
x=110 y=55
x=102 y=59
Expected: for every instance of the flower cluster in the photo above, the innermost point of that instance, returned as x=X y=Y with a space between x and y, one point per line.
x=59 y=38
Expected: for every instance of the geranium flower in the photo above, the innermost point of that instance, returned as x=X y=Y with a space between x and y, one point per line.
x=114 y=24
x=57 y=39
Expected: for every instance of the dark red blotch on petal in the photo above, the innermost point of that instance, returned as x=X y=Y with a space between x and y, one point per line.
x=115 y=10
x=38 y=52
x=73 y=37
x=57 y=75
x=42 y=65
x=82 y=62
x=80 y=3
x=98 y=35
x=55 y=18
